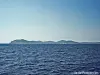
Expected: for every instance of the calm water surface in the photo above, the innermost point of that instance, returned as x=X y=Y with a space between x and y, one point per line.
x=49 y=59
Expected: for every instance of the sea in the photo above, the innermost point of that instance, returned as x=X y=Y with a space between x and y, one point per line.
x=50 y=59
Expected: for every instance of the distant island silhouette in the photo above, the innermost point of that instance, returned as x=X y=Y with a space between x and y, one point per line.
x=23 y=41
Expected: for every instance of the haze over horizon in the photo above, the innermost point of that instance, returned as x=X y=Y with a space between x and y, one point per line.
x=77 y=20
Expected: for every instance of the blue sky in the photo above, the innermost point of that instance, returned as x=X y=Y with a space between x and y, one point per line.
x=77 y=20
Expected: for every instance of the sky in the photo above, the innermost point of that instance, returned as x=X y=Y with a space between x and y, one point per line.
x=77 y=20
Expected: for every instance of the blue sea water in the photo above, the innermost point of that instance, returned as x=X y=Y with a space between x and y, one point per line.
x=49 y=59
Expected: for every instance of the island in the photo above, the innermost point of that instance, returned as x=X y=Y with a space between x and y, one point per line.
x=22 y=41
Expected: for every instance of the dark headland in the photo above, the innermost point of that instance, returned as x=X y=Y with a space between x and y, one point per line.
x=22 y=41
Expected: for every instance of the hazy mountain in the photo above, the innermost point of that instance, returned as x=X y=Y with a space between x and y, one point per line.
x=19 y=41
x=22 y=41
x=49 y=42
x=67 y=42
